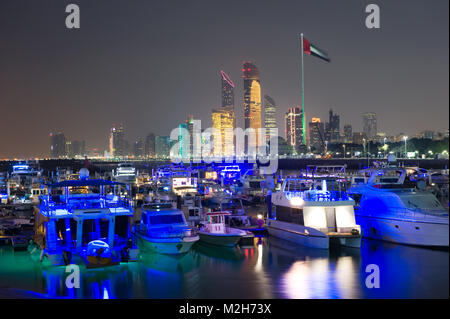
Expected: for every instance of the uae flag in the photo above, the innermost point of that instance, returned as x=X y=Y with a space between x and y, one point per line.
x=311 y=49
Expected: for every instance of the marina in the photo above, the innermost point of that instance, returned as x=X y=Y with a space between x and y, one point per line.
x=174 y=226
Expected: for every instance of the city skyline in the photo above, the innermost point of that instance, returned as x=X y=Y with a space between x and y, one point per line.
x=81 y=82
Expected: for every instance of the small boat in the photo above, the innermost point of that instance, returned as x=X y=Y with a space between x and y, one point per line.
x=98 y=254
x=164 y=230
x=214 y=230
x=19 y=243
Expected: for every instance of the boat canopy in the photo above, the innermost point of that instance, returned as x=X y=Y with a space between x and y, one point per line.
x=88 y=182
x=217 y=213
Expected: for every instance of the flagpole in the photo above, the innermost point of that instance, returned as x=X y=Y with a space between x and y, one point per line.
x=303 y=92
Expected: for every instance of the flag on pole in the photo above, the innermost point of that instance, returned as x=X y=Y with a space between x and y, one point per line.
x=311 y=49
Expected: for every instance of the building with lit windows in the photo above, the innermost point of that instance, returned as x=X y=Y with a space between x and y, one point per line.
x=316 y=135
x=293 y=120
x=332 y=128
x=57 y=145
x=252 y=105
x=162 y=146
x=117 y=144
x=149 y=146
x=348 y=133
x=224 y=121
x=370 y=125
x=227 y=90
x=270 y=121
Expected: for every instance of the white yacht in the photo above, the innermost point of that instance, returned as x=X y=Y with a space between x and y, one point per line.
x=125 y=173
x=309 y=214
x=391 y=208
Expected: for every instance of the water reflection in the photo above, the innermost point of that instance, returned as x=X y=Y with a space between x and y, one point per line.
x=271 y=268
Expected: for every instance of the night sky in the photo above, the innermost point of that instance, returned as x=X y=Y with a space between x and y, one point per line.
x=149 y=64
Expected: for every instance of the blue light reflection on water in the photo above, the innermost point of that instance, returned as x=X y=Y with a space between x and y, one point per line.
x=272 y=268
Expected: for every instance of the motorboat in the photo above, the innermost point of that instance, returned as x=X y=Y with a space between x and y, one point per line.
x=125 y=173
x=308 y=213
x=73 y=222
x=390 y=208
x=163 y=229
x=214 y=230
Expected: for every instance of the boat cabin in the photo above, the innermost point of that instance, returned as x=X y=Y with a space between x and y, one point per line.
x=215 y=222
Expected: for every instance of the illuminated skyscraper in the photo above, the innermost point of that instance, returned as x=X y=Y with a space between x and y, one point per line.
x=227 y=90
x=294 y=127
x=252 y=103
x=316 y=135
x=270 y=121
x=57 y=145
x=223 y=119
x=149 y=146
x=189 y=126
x=162 y=146
x=117 y=144
x=370 y=125
x=332 y=128
x=348 y=133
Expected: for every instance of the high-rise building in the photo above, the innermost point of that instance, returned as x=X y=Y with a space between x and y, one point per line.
x=270 y=121
x=138 y=148
x=75 y=148
x=359 y=137
x=117 y=143
x=316 y=135
x=370 y=125
x=223 y=120
x=162 y=146
x=252 y=105
x=427 y=134
x=57 y=145
x=189 y=126
x=348 y=133
x=227 y=90
x=149 y=146
x=332 y=128
x=294 y=127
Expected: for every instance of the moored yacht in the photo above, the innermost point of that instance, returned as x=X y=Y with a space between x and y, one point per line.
x=391 y=209
x=85 y=220
x=214 y=231
x=309 y=214
x=125 y=173
x=164 y=230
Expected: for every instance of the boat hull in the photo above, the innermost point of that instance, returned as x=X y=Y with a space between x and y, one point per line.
x=309 y=237
x=168 y=246
x=227 y=240
x=297 y=234
x=407 y=232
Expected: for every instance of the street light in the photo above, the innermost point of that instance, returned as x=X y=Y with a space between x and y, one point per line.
x=405 y=138
x=364 y=146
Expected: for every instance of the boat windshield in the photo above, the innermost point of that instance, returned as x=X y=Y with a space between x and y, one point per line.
x=166 y=219
x=424 y=201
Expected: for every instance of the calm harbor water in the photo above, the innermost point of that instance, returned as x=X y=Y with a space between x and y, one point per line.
x=272 y=268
